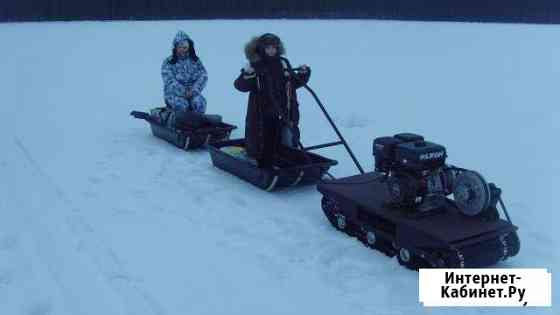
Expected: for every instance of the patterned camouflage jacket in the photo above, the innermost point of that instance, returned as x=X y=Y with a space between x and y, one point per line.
x=185 y=74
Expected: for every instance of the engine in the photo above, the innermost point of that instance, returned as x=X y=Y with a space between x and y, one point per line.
x=415 y=169
x=418 y=178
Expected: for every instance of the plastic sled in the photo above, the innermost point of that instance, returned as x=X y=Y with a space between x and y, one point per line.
x=292 y=168
x=187 y=139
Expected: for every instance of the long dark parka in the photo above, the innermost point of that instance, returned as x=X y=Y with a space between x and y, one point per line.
x=272 y=104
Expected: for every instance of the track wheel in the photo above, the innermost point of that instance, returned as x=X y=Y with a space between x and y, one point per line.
x=408 y=259
x=370 y=239
x=332 y=211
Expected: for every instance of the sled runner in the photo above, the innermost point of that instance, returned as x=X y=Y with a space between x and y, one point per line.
x=187 y=137
x=291 y=168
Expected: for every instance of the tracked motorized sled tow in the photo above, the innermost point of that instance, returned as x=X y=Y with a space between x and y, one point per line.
x=402 y=208
x=193 y=133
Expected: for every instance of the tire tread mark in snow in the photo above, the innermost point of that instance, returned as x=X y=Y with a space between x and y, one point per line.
x=138 y=300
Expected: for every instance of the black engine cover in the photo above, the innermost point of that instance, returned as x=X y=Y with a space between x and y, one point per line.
x=408 y=137
x=384 y=152
x=420 y=155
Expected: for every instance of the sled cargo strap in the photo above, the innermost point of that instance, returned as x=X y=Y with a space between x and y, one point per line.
x=272 y=184
x=298 y=179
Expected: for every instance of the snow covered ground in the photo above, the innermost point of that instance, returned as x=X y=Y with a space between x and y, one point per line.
x=99 y=217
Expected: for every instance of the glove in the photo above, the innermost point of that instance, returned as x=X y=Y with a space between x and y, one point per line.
x=303 y=68
x=248 y=72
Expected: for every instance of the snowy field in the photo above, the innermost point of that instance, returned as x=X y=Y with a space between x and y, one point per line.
x=99 y=217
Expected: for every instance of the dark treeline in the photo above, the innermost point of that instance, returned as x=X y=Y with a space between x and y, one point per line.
x=522 y=11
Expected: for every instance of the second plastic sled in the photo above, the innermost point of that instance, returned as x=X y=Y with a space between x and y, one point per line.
x=292 y=168
x=187 y=139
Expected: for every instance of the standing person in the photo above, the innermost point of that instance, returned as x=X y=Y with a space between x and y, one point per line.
x=272 y=112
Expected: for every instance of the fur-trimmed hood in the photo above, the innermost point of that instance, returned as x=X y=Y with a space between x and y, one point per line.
x=255 y=45
x=179 y=38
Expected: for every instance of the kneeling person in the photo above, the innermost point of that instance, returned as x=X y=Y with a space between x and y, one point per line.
x=184 y=77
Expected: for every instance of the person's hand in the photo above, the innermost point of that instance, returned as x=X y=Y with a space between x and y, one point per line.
x=248 y=69
x=304 y=68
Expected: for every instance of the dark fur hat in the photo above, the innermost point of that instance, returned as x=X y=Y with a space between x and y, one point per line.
x=254 y=49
